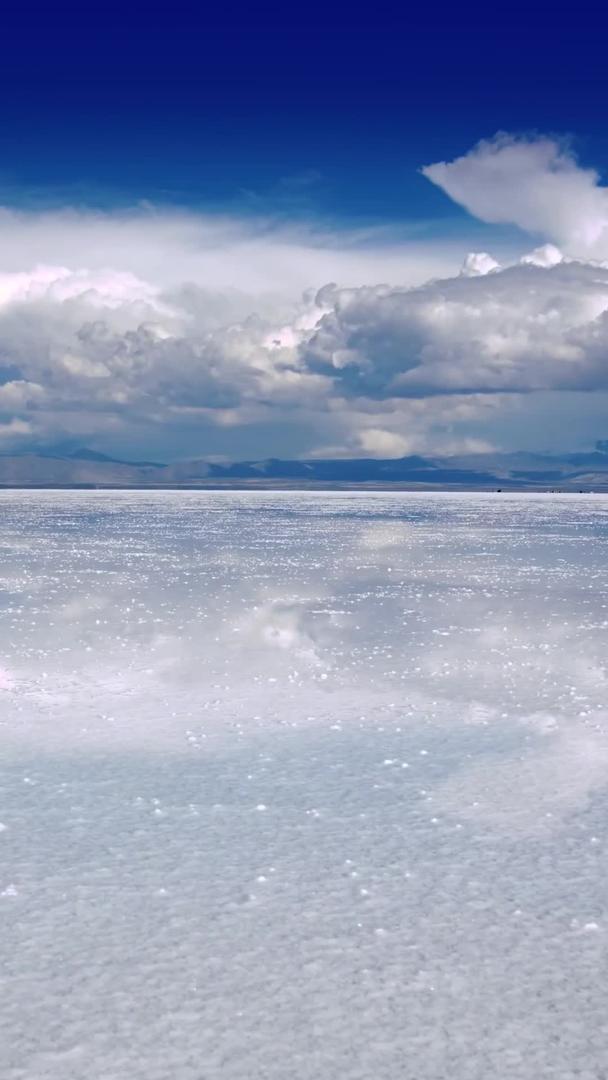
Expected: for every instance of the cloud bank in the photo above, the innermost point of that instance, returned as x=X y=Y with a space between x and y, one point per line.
x=160 y=329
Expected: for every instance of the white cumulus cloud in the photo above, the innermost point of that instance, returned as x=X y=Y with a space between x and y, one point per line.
x=535 y=183
x=526 y=327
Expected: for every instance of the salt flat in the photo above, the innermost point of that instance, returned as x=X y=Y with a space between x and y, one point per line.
x=303 y=785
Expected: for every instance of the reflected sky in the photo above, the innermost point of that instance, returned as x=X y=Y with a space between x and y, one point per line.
x=303 y=784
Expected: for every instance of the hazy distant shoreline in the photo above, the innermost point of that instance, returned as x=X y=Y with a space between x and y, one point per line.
x=67 y=467
x=570 y=489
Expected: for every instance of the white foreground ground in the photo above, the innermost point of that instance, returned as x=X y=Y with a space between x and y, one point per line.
x=303 y=787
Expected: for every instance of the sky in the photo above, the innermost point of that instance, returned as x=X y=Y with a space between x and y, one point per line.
x=264 y=233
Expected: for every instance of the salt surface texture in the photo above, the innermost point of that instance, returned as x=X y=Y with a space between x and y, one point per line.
x=300 y=785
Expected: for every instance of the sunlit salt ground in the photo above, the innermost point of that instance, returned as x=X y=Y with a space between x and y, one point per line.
x=303 y=786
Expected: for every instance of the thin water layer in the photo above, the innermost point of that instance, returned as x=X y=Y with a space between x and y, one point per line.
x=300 y=784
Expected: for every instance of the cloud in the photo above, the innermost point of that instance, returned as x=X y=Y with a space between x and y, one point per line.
x=547 y=255
x=535 y=183
x=123 y=352
x=237 y=257
x=14 y=428
x=377 y=442
x=478 y=263
x=172 y=329
x=20 y=394
x=101 y=288
x=523 y=328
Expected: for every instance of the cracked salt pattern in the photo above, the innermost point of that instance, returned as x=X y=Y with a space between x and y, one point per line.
x=303 y=785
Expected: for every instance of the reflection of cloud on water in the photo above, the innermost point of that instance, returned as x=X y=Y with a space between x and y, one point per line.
x=533 y=789
x=6 y=682
x=289 y=626
x=392 y=535
x=454 y=610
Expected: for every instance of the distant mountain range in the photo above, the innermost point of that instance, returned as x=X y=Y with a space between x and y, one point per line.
x=64 y=465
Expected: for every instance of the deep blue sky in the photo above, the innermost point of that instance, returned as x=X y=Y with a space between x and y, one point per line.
x=322 y=111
